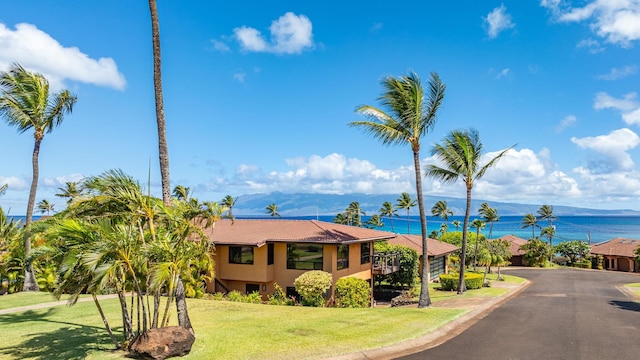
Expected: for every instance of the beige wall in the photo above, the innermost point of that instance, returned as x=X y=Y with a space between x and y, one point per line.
x=236 y=276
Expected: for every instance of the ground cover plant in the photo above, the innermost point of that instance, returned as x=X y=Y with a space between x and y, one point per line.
x=226 y=330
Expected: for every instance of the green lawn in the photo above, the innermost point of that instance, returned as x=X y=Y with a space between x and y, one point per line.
x=634 y=288
x=224 y=330
x=24 y=299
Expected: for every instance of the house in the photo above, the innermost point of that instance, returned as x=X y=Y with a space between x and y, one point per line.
x=517 y=255
x=437 y=252
x=254 y=254
x=618 y=254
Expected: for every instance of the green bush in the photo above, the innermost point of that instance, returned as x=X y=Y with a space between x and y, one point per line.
x=312 y=286
x=235 y=295
x=352 y=293
x=585 y=264
x=253 y=298
x=279 y=297
x=449 y=282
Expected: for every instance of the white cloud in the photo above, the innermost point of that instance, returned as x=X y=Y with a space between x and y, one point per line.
x=240 y=76
x=503 y=73
x=220 y=46
x=593 y=46
x=628 y=106
x=38 y=51
x=618 y=21
x=290 y=34
x=14 y=183
x=566 y=122
x=612 y=150
x=61 y=181
x=497 y=21
x=617 y=73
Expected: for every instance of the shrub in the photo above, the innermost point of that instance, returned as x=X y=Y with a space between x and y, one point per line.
x=352 y=293
x=600 y=261
x=409 y=263
x=449 y=282
x=235 y=295
x=253 y=298
x=312 y=286
x=279 y=297
x=217 y=296
x=586 y=264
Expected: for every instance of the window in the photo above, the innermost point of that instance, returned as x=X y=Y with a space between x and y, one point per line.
x=436 y=267
x=365 y=253
x=270 y=253
x=304 y=256
x=251 y=288
x=240 y=254
x=343 y=256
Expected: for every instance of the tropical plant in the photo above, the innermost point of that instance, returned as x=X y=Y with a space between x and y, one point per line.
x=405 y=117
x=529 y=220
x=340 y=219
x=489 y=215
x=25 y=102
x=405 y=202
x=409 y=263
x=441 y=210
x=272 y=210
x=44 y=206
x=573 y=249
x=352 y=292
x=500 y=254
x=374 y=222
x=229 y=201
x=536 y=252
x=456 y=224
x=354 y=214
x=181 y=193
x=387 y=210
x=70 y=191
x=3 y=188
x=11 y=254
x=546 y=213
x=460 y=154
x=478 y=225
x=312 y=285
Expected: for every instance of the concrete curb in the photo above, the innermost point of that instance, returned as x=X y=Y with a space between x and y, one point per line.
x=437 y=337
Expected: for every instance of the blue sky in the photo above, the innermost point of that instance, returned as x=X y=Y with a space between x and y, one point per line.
x=258 y=95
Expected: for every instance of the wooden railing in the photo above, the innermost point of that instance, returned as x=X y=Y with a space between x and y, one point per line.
x=384 y=264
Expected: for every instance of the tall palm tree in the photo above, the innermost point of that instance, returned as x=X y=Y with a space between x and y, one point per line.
x=441 y=210
x=25 y=102
x=181 y=192
x=354 y=214
x=405 y=117
x=3 y=188
x=549 y=231
x=489 y=215
x=529 y=220
x=478 y=225
x=272 y=210
x=374 y=222
x=387 y=210
x=229 y=201
x=405 y=202
x=44 y=206
x=546 y=213
x=460 y=154
x=163 y=148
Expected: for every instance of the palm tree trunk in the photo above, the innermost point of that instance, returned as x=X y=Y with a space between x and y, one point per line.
x=163 y=149
x=463 y=252
x=475 y=253
x=424 y=299
x=181 y=307
x=104 y=320
x=30 y=283
x=127 y=327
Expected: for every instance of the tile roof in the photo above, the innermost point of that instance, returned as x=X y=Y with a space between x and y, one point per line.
x=260 y=231
x=514 y=244
x=617 y=246
x=434 y=247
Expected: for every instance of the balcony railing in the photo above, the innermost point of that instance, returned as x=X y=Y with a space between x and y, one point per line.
x=384 y=264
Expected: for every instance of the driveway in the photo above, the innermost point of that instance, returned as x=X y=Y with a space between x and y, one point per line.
x=564 y=314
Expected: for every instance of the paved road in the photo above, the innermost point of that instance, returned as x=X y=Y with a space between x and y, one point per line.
x=564 y=314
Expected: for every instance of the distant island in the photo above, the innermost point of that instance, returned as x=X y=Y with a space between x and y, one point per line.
x=304 y=204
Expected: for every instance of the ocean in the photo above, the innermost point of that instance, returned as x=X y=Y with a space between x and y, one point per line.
x=592 y=229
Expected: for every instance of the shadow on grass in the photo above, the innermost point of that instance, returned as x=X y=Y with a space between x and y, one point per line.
x=626 y=305
x=69 y=341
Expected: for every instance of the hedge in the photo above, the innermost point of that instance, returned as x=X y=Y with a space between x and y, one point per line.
x=449 y=282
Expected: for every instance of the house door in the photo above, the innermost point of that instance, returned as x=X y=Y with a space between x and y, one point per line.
x=251 y=288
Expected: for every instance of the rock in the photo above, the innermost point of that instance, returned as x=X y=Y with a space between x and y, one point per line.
x=162 y=343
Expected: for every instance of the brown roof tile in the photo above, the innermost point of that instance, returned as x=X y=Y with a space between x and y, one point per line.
x=260 y=231
x=434 y=247
x=617 y=246
x=514 y=244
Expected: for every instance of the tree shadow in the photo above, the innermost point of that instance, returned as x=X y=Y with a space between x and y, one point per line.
x=626 y=305
x=70 y=341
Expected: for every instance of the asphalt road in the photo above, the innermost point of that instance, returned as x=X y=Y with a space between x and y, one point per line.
x=564 y=314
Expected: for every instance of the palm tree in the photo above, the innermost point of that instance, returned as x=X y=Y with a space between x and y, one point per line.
x=457 y=224
x=181 y=193
x=404 y=119
x=549 y=231
x=441 y=210
x=70 y=191
x=460 y=154
x=341 y=219
x=387 y=210
x=163 y=148
x=405 y=202
x=25 y=103
x=478 y=225
x=489 y=215
x=354 y=214
x=529 y=220
x=229 y=201
x=374 y=222
x=546 y=213
x=44 y=206
x=272 y=210
x=3 y=188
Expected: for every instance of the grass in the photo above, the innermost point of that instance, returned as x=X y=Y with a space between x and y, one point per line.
x=224 y=330
x=634 y=288
x=24 y=299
